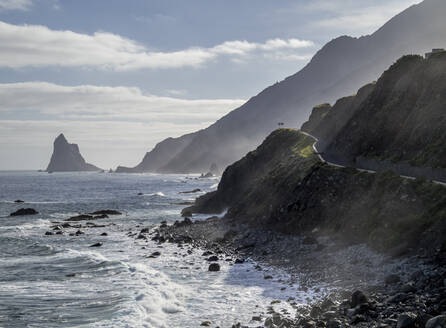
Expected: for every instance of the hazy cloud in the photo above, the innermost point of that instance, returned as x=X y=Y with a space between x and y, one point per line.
x=37 y=46
x=113 y=125
x=15 y=4
x=112 y=103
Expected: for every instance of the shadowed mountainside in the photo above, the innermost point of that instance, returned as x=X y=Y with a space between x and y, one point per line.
x=67 y=158
x=283 y=185
x=400 y=120
x=336 y=70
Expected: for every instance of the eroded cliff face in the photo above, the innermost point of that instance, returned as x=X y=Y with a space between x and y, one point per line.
x=67 y=157
x=283 y=186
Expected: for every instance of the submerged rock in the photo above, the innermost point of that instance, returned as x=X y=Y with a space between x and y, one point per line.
x=24 y=211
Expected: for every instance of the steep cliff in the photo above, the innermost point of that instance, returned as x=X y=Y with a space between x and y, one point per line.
x=282 y=186
x=399 y=121
x=336 y=70
x=66 y=157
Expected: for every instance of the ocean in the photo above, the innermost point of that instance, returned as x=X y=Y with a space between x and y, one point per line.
x=60 y=281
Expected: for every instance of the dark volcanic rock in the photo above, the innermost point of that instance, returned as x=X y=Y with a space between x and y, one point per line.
x=81 y=217
x=66 y=157
x=437 y=322
x=190 y=192
x=214 y=267
x=106 y=212
x=24 y=211
x=358 y=298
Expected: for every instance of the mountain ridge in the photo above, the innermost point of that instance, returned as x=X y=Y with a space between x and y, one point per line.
x=337 y=69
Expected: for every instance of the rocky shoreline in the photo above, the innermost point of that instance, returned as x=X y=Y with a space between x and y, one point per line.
x=353 y=285
x=364 y=288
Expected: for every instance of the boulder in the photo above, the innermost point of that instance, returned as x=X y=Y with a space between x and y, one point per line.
x=213 y=258
x=392 y=279
x=214 y=267
x=437 y=322
x=358 y=298
x=24 y=211
x=406 y=320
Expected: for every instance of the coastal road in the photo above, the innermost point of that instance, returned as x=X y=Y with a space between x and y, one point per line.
x=323 y=160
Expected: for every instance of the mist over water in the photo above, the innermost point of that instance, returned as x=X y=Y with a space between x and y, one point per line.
x=59 y=281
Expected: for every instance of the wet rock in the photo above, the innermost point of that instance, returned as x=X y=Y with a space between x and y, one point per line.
x=145 y=230
x=102 y=216
x=24 y=211
x=358 y=298
x=141 y=236
x=106 y=212
x=154 y=255
x=81 y=217
x=437 y=322
x=70 y=275
x=206 y=323
x=59 y=233
x=315 y=312
x=214 y=267
x=406 y=320
x=79 y=232
x=309 y=240
x=212 y=259
x=186 y=213
x=19 y=201
x=268 y=277
x=140 y=194
x=334 y=324
x=239 y=261
x=256 y=318
x=104 y=234
x=278 y=321
x=96 y=245
x=49 y=233
x=190 y=191
x=392 y=279
x=207 y=253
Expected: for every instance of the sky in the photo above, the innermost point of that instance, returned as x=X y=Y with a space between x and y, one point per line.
x=118 y=76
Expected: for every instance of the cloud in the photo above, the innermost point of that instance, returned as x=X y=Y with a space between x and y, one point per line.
x=39 y=46
x=113 y=125
x=103 y=143
x=345 y=16
x=88 y=102
x=15 y=4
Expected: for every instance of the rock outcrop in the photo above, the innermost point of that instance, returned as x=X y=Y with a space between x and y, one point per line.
x=67 y=158
x=336 y=70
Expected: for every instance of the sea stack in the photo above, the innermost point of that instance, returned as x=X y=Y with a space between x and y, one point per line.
x=67 y=158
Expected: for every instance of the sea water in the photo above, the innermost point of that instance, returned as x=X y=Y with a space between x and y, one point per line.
x=59 y=281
